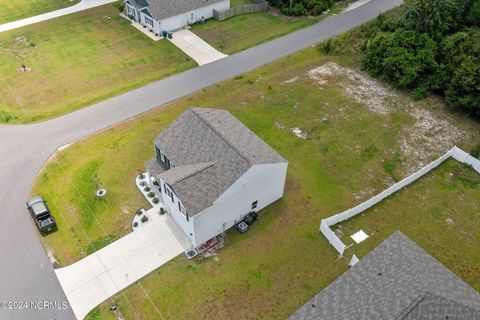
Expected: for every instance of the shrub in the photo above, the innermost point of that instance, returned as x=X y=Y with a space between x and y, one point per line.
x=147 y=189
x=155 y=200
x=475 y=152
x=327 y=46
x=142 y=183
x=144 y=219
x=135 y=224
x=162 y=210
x=406 y=59
x=302 y=7
x=120 y=5
x=151 y=194
x=139 y=212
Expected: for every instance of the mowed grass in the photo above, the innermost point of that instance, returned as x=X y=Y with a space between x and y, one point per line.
x=79 y=59
x=440 y=212
x=236 y=3
x=244 y=31
x=283 y=260
x=20 y=9
x=248 y=30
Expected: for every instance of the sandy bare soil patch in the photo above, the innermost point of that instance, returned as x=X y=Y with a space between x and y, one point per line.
x=361 y=88
x=429 y=137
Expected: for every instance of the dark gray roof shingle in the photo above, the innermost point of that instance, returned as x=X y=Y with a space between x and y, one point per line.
x=210 y=149
x=396 y=281
x=161 y=9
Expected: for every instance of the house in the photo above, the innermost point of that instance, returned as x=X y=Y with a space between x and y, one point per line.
x=211 y=171
x=396 y=281
x=170 y=15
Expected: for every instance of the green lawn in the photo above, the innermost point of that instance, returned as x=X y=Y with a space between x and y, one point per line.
x=79 y=59
x=244 y=31
x=20 y=9
x=236 y=3
x=283 y=260
x=439 y=212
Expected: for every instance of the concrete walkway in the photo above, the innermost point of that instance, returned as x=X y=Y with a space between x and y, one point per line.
x=195 y=47
x=94 y=279
x=82 y=5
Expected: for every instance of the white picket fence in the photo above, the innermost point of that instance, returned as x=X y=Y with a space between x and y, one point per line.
x=455 y=153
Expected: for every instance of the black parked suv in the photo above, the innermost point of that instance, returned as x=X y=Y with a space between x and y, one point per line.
x=41 y=214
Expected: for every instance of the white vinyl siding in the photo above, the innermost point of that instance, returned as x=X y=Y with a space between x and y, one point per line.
x=149 y=21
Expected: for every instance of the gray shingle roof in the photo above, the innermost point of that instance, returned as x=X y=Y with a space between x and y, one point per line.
x=139 y=4
x=161 y=9
x=210 y=150
x=396 y=281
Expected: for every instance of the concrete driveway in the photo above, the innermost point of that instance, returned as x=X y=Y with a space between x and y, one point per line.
x=195 y=47
x=94 y=279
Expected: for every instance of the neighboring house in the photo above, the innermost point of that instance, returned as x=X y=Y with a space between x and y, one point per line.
x=212 y=171
x=396 y=281
x=170 y=15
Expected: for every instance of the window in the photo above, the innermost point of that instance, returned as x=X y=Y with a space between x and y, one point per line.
x=163 y=158
x=181 y=208
x=168 y=192
x=149 y=21
x=254 y=204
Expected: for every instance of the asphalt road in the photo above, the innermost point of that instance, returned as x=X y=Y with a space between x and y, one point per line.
x=26 y=274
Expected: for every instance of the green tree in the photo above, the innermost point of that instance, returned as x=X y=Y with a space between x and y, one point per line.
x=406 y=59
x=463 y=90
x=437 y=18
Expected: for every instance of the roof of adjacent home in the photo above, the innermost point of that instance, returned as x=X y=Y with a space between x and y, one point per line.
x=210 y=149
x=396 y=281
x=162 y=9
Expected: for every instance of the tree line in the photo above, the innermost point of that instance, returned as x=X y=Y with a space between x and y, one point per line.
x=430 y=46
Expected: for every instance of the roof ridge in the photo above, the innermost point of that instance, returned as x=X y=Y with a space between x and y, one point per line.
x=221 y=135
x=207 y=165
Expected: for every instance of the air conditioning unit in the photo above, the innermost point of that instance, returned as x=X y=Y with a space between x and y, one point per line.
x=242 y=227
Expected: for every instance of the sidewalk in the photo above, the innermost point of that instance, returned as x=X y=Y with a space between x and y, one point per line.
x=195 y=47
x=97 y=277
x=82 y=5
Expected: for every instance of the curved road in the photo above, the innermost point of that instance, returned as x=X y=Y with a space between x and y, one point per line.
x=25 y=272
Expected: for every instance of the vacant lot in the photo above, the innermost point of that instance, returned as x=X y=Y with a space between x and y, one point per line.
x=245 y=31
x=346 y=137
x=76 y=60
x=20 y=9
